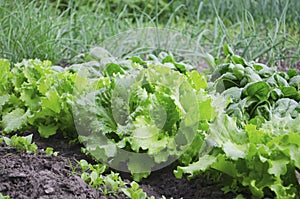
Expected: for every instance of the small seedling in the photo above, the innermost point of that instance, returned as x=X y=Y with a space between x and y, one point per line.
x=50 y=151
x=4 y=197
x=21 y=143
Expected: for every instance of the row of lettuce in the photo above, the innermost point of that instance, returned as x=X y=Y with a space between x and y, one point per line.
x=239 y=124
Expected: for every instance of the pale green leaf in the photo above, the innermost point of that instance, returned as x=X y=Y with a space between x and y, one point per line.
x=234 y=151
x=14 y=120
x=202 y=164
x=51 y=101
x=47 y=131
x=278 y=167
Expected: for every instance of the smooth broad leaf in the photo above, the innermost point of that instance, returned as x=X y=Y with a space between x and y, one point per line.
x=290 y=92
x=21 y=143
x=180 y=67
x=220 y=70
x=112 y=68
x=14 y=120
x=285 y=106
x=276 y=93
x=210 y=60
x=236 y=110
x=234 y=93
x=292 y=73
x=7 y=141
x=277 y=81
x=251 y=75
x=28 y=138
x=239 y=60
x=135 y=192
x=225 y=82
x=47 y=131
x=238 y=70
x=260 y=90
x=264 y=110
x=295 y=82
x=263 y=70
x=168 y=59
x=138 y=60
x=280 y=81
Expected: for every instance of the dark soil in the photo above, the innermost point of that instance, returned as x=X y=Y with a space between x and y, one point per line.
x=40 y=176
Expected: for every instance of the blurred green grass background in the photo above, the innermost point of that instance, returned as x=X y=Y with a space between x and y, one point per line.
x=58 y=30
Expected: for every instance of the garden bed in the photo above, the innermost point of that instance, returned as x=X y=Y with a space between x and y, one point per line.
x=37 y=175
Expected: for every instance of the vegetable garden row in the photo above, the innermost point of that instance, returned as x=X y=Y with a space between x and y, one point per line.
x=239 y=123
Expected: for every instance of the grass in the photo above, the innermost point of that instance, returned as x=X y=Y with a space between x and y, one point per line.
x=28 y=31
x=59 y=30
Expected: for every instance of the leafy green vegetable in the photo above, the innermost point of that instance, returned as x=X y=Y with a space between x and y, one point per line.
x=50 y=151
x=14 y=120
x=138 y=116
x=111 y=183
x=264 y=160
x=21 y=143
x=153 y=111
x=254 y=89
x=35 y=96
x=253 y=142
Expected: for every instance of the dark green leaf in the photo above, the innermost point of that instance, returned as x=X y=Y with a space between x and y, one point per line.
x=260 y=90
x=113 y=68
x=221 y=69
x=280 y=80
x=238 y=60
x=263 y=110
x=289 y=92
x=168 y=59
x=180 y=67
x=292 y=73
x=227 y=50
x=226 y=81
x=263 y=70
x=276 y=94
x=138 y=60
